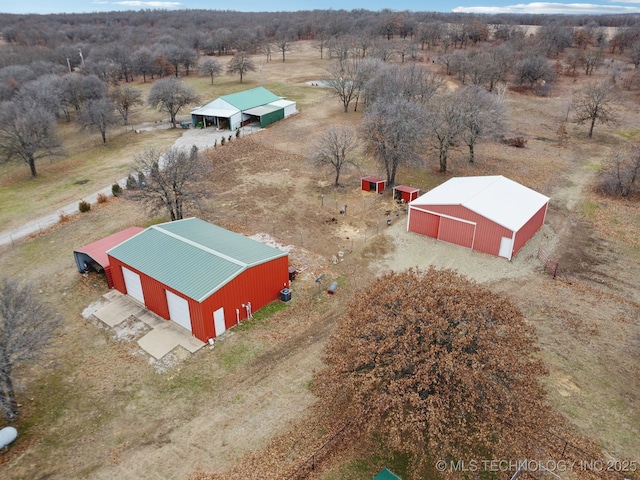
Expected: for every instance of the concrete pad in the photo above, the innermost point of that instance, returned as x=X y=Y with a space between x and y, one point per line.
x=159 y=341
x=164 y=336
x=167 y=336
x=112 y=294
x=117 y=310
x=151 y=318
x=191 y=343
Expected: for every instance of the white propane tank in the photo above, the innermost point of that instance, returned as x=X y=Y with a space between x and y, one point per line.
x=7 y=435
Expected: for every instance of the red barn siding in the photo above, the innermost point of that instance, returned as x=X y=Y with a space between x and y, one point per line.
x=424 y=223
x=116 y=275
x=529 y=229
x=259 y=285
x=455 y=231
x=107 y=272
x=409 y=196
x=488 y=234
x=375 y=184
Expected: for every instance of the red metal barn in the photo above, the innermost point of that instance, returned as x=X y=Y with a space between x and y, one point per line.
x=405 y=194
x=490 y=214
x=373 y=184
x=201 y=276
x=94 y=255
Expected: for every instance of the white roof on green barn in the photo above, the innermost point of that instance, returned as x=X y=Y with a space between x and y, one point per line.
x=495 y=197
x=192 y=256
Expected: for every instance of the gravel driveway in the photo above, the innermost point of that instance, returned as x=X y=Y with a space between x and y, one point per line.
x=414 y=250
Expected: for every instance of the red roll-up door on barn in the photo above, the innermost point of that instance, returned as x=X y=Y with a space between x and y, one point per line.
x=424 y=223
x=455 y=231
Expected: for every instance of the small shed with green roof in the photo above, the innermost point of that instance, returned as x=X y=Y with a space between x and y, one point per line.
x=242 y=108
x=201 y=276
x=386 y=474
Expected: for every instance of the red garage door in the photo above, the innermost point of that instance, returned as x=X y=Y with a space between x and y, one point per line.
x=455 y=231
x=424 y=223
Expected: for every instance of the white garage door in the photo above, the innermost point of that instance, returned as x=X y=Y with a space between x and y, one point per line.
x=179 y=310
x=133 y=284
x=218 y=321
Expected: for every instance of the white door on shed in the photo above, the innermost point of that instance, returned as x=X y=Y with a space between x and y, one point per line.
x=506 y=246
x=179 y=310
x=218 y=321
x=133 y=284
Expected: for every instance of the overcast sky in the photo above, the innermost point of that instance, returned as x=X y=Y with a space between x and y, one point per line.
x=472 y=6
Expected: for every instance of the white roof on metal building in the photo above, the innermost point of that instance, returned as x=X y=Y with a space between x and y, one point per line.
x=497 y=198
x=282 y=103
x=217 y=108
x=262 y=110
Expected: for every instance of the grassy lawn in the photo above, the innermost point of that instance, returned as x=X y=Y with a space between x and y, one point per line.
x=88 y=167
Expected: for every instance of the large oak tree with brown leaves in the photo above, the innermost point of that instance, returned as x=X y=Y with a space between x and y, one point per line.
x=440 y=367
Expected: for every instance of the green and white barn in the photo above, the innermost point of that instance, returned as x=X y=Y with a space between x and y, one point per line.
x=236 y=110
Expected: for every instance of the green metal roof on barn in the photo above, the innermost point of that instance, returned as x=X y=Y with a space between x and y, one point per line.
x=192 y=250
x=255 y=97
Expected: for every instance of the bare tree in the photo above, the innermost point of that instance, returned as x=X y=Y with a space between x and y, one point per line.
x=45 y=92
x=595 y=102
x=28 y=133
x=267 y=49
x=497 y=63
x=592 y=59
x=240 y=64
x=171 y=180
x=412 y=82
x=27 y=324
x=445 y=122
x=98 y=115
x=78 y=89
x=120 y=54
x=170 y=95
x=284 y=44
x=173 y=54
x=125 y=99
x=483 y=115
x=142 y=60
x=533 y=69
x=621 y=175
x=347 y=79
x=554 y=37
x=436 y=366
x=382 y=50
x=429 y=34
x=12 y=77
x=634 y=54
x=211 y=67
x=188 y=58
x=336 y=147
x=321 y=41
x=392 y=133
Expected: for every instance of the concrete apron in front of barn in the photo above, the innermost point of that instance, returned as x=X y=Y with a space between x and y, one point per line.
x=163 y=335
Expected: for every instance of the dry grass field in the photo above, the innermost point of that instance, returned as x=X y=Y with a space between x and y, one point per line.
x=97 y=407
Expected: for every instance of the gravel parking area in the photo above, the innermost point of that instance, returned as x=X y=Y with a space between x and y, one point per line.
x=414 y=250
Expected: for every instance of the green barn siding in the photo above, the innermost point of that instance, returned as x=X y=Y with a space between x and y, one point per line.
x=273 y=117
